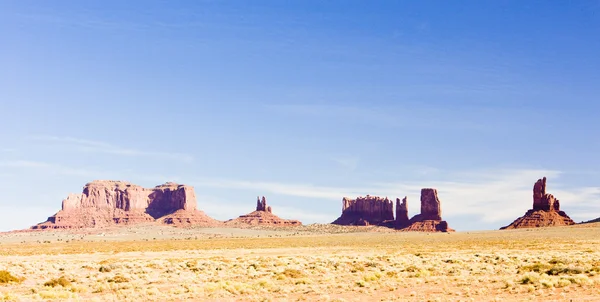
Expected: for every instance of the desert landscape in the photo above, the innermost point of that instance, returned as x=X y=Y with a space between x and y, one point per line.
x=112 y=242
x=301 y=263
x=282 y=151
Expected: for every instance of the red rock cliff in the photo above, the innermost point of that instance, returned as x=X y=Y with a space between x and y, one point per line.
x=545 y=211
x=369 y=210
x=430 y=218
x=262 y=216
x=106 y=202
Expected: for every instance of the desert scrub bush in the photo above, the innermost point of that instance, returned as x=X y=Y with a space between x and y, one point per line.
x=530 y=278
x=7 y=277
x=372 y=277
x=411 y=269
x=536 y=267
x=118 y=279
x=62 y=281
x=292 y=273
x=105 y=269
x=562 y=270
x=357 y=268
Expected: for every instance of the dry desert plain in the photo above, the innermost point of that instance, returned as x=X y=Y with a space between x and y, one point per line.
x=306 y=263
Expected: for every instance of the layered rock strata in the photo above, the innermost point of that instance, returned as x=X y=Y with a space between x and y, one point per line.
x=374 y=210
x=368 y=210
x=544 y=213
x=402 y=212
x=105 y=203
x=263 y=215
x=430 y=218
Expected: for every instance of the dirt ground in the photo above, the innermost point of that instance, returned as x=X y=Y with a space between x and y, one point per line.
x=310 y=263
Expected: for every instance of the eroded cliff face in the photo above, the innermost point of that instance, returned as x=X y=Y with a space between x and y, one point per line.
x=430 y=218
x=374 y=210
x=368 y=210
x=545 y=211
x=402 y=212
x=106 y=202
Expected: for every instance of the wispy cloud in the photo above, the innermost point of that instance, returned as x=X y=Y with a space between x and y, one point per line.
x=349 y=113
x=497 y=196
x=347 y=162
x=224 y=210
x=89 y=173
x=54 y=168
x=107 y=148
x=410 y=115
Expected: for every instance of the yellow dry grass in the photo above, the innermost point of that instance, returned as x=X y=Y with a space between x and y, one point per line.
x=538 y=264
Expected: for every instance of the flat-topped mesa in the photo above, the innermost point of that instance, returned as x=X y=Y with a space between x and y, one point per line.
x=107 y=202
x=545 y=211
x=402 y=212
x=430 y=218
x=261 y=205
x=262 y=216
x=368 y=210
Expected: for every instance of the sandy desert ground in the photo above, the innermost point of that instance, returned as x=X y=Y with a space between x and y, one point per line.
x=310 y=263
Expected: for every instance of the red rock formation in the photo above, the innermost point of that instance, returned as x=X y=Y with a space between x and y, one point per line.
x=261 y=205
x=369 y=210
x=429 y=226
x=430 y=218
x=262 y=216
x=402 y=212
x=546 y=211
x=105 y=203
x=373 y=210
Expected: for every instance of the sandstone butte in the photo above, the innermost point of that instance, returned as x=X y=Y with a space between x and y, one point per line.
x=374 y=210
x=106 y=203
x=263 y=215
x=546 y=211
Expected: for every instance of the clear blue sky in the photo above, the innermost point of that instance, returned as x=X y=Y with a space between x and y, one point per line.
x=304 y=102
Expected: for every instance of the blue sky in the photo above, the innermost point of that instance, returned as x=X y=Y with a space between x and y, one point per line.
x=304 y=102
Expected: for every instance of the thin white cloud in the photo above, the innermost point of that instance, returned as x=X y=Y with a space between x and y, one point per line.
x=407 y=116
x=107 y=148
x=347 y=162
x=224 y=210
x=497 y=196
x=88 y=173
x=54 y=168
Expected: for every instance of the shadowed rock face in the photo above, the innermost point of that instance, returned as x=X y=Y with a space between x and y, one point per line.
x=261 y=205
x=368 y=210
x=430 y=218
x=373 y=210
x=262 y=216
x=545 y=212
x=402 y=212
x=105 y=202
x=430 y=205
x=541 y=199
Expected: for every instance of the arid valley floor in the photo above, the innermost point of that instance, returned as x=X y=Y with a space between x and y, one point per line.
x=307 y=263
